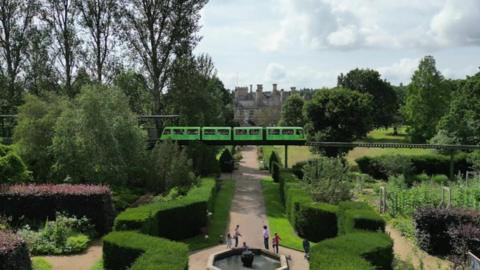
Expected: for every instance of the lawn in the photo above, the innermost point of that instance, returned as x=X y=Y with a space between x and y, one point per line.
x=276 y=216
x=219 y=220
x=39 y=263
x=295 y=153
x=98 y=265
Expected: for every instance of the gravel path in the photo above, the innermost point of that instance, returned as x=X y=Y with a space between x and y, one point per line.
x=83 y=261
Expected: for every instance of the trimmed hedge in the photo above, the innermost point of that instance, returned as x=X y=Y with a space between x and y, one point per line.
x=13 y=252
x=137 y=251
x=42 y=202
x=226 y=162
x=274 y=158
x=176 y=219
x=355 y=216
x=316 y=221
x=430 y=164
x=355 y=251
x=275 y=172
x=432 y=227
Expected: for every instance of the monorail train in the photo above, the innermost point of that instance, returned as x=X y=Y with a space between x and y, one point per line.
x=235 y=134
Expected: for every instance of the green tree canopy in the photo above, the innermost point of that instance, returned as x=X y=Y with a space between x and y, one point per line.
x=368 y=81
x=338 y=115
x=292 y=112
x=134 y=86
x=427 y=100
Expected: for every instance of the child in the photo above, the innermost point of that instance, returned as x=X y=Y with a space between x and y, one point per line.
x=276 y=242
x=229 y=241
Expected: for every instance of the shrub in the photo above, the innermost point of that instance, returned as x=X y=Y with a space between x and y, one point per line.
x=276 y=172
x=227 y=164
x=175 y=219
x=13 y=252
x=285 y=177
x=12 y=167
x=136 y=251
x=440 y=179
x=354 y=216
x=42 y=202
x=464 y=238
x=355 y=251
x=274 y=158
x=316 y=221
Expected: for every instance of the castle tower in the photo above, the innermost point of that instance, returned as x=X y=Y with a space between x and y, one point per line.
x=259 y=94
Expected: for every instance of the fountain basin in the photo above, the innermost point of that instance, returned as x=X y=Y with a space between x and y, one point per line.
x=231 y=260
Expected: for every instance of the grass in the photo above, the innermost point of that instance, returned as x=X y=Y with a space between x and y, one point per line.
x=295 y=153
x=39 y=263
x=387 y=136
x=276 y=216
x=98 y=265
x=219 y=220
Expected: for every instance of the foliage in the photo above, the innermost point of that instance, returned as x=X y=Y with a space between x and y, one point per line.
x=204 y=158
x=34 y=133
x=176 y=219
x=40 y=264
x=316 y=221
x=12 y=167
x=427 y=100
x=64 y=235
x=142 y=252
x=13 y=252
x=272 y=159
x=98 y=140
x=338 y=115
x=461 y=121
x=135 y=86
x=276 y=172
x=355 y=251
x=292 y=109
x=98 y=265
x=227 y=164
x=368 y=81
x=167 y=172
x=41 y=202
x=328 y=180
x=355 y=216
x=474 y=159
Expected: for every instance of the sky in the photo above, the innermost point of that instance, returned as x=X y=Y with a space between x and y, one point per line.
x=308 y=43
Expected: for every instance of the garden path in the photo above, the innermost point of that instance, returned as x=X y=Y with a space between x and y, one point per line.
x=248 y=211
x=83 y=261
x=408 y=252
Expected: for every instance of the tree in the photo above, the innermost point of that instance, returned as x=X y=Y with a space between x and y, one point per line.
x=98 y=140
x=34 y=132
x=292 y=112
x=368 y=81
x=158 y=31
x=16 y=20
x=60 y=17
x=226 y=161
x=461 y=124
x=134 y=86
x=97 y=16
x=427 y=100
x=338 y=115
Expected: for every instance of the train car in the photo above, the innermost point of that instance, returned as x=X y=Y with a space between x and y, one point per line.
x=181 y=133
x=248 y=133
x=284 y=134
x=216 y=133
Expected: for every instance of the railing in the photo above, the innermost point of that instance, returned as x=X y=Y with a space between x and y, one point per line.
x=474 y=261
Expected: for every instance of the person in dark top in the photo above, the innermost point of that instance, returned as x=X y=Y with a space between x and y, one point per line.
x=306 y=248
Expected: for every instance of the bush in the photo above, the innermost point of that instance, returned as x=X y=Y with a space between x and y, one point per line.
x=316 y=221
x=42 y=202
x=175 y=219
x=226 y=162
x=274 y=158
x=464 y=238
x=12 y=167
x=13 y=252
x=136 y=251
x=432 y=227
x=298 y=168
x=275 y=172
x=355 y=251
x=355 y=216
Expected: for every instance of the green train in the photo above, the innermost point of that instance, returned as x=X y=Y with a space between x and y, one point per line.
x=235 y=134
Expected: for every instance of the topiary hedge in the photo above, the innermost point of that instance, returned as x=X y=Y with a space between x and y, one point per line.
x=226 y=162
x=135 y=251
x=274 y=158
x=431 y=164
x=13 y=252
x=42 y=202
x=354 y=216
x=316 y=221
x=355 y=251
x=275 y=172
x=176 y=219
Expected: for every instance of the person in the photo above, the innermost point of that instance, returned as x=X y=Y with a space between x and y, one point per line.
x=237 y=234
x=229 y=240
x=266 y=236
x=306 y=248
x=276 y=242
x=245 y=247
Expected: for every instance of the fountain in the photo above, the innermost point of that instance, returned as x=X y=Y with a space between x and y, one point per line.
x=239 y=259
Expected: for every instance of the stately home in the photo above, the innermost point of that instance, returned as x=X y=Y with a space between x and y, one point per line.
x=259 y=107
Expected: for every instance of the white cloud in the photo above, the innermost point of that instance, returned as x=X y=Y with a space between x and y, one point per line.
x=275 y=73
x=401 y=71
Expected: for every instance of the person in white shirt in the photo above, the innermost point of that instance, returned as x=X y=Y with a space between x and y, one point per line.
x=266 y=236
x=236 y=235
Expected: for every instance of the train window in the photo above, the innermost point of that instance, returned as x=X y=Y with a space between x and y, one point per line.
x=209 y=131
x=223 y=131
x=167 y=132
x=178 y=131
x=274 y=132
x=192 y=131
x=299 y=132
x=287 y=132
x=254 y=131
x=240 y=132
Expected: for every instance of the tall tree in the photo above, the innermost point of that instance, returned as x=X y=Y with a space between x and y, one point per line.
x=292 y=111
x=97 y=16
x=16 y=20
x=158 y=31
x=427 y=100
x=384 y=97
x=60 y=17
